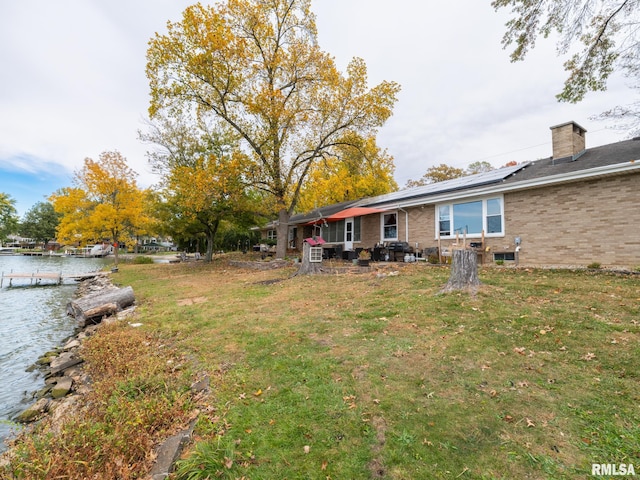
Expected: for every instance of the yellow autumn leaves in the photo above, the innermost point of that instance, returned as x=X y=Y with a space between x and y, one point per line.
x=105 y=203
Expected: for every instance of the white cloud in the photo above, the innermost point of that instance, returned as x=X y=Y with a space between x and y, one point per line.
x=74 y=84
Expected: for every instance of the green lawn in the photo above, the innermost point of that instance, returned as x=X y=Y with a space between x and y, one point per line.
x=369 y=376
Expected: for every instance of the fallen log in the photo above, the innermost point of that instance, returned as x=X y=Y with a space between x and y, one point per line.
x=92 y=308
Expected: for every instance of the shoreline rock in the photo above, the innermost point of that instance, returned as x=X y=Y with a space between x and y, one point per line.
x=62 y=367
x=66 y=383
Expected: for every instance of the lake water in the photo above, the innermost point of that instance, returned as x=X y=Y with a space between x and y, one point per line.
x=33 y=320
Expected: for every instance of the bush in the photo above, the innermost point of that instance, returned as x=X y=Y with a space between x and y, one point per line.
x=142 y=260
x=594 y=265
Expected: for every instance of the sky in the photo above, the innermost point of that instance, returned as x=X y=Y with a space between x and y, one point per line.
x=73 y=85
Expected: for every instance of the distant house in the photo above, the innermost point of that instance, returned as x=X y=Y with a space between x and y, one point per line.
x=580 y=206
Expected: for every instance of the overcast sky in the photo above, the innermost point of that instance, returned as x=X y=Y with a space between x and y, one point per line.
x=73 y=85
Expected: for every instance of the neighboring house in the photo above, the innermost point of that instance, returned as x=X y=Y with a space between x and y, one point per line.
x=578 y=207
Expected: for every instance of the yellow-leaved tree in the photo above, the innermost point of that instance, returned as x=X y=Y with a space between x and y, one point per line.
x=104 y=205
x=352 y=174
x=200 y=195
x=256 y=67
x=204 y=178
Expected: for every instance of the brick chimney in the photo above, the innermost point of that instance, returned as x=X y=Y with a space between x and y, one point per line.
x=568 y=140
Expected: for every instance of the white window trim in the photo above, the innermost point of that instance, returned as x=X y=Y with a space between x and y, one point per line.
x=484 y=216
x=382 y=238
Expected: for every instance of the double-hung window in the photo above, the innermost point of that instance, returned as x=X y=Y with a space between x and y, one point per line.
x=471 y=218
x=389 y=227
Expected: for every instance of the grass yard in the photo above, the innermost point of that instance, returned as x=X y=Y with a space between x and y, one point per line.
x=362 y=376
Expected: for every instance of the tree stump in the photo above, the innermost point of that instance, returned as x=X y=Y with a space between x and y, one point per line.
x=464 y=271
x=306 y=266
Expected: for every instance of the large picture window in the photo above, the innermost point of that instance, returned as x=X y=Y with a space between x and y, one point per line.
x=471 y=218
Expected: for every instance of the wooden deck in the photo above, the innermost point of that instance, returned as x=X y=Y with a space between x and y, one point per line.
x=36 y=278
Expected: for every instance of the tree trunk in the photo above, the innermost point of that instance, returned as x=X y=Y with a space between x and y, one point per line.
x=91 y=308
x=283 y=233
x=208 y=256
x=306 y=267
x=464 y=271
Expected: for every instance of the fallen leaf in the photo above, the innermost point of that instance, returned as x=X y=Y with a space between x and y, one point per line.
x=530 y=423
x=228 y=462
x=520 y=350
x=307 y=449
x=258 y=393
x=589 y=356
x=508 y=418
x=324 y=465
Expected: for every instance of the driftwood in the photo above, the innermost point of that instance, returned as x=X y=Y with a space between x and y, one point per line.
x=92 y=308
x=464 y=271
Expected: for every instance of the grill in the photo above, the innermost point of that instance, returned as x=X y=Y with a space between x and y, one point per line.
x=398 y=249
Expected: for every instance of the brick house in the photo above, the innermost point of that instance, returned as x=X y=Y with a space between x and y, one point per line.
x=578 y=207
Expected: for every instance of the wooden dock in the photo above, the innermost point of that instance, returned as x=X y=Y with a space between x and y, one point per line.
x=37 y=277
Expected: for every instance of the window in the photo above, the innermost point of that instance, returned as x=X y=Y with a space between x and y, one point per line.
x=334 y=232
x=389 y=226
x=494 y=215
x=272 y=234
x=357 y=229
x=444 y=220
x=467 y=218
x=504 y=256
x=471 y=218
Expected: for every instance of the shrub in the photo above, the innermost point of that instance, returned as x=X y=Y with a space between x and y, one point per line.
x=142 y=260
x=594 y=265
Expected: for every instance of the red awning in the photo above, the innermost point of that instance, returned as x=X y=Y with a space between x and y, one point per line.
x=354 y=212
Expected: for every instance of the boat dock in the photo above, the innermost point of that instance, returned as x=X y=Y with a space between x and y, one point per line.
x=37 y=277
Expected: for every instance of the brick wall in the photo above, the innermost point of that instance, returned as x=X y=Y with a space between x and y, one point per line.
x=573 y=224
x=579 y=223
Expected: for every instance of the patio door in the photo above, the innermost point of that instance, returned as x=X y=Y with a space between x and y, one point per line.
x=348 y=234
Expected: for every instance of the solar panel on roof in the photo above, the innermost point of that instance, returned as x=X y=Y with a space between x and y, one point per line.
x=455 y=184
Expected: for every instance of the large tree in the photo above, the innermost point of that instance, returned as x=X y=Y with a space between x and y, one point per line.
x=105 y=203
x=40 y=222
x=206 y=193
x=255 y=65
x=8 y=216
x=204 y=177
x=436 y=173
x=601 y=36
x=354 y=174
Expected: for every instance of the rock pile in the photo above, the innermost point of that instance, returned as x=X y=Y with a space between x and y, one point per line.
x=62 y=367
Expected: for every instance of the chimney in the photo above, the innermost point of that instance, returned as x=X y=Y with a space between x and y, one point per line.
x=568 y=140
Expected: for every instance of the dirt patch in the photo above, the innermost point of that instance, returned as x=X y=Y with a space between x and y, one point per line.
x=191 y=301
x=376 y=466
